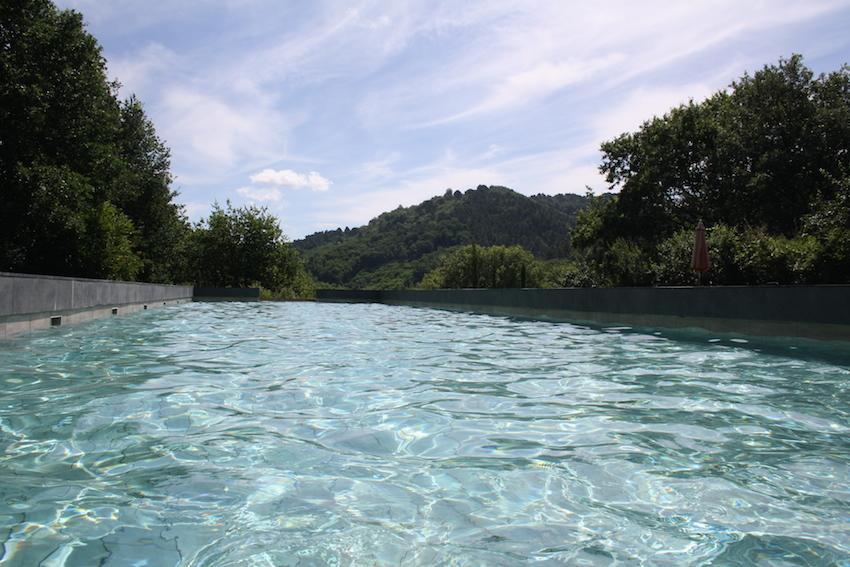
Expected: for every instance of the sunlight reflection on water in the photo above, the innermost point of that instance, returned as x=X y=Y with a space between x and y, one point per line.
x=299 y=433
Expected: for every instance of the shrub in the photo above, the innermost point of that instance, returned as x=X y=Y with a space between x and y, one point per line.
x=673 y=260
x=829 y=225
x=627 y=264
x=582 y=274
x=478 y=267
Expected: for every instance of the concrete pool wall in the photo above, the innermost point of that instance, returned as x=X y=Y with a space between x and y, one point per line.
x=227 y=293
x=30 y=302
x=811 y=311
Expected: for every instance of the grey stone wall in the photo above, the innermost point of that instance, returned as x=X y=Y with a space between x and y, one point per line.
x=808 y=311
x=27 y=301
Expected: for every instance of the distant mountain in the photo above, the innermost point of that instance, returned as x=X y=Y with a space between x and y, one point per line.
x=397 y=248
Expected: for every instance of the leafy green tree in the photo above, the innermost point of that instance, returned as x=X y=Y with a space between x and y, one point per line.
x=51 y=230
x=627 y=264
x=759 y=159
x=57 y=114
x=755 y=155
x=144 y=194
x=112 y=244
x=76 y=165
x=244 y=247
x=829 y=224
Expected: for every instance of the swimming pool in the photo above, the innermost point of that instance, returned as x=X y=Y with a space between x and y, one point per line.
x=299 y=433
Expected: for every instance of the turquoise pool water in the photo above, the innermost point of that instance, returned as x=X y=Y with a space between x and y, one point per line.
x=321 y=434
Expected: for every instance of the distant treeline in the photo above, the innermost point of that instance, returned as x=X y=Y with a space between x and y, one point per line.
x=86 y=182
x=397 y=248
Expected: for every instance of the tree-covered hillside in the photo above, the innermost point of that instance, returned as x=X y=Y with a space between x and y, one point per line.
x=397 y=248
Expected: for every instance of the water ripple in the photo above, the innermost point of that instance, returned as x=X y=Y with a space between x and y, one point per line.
x=289 y=434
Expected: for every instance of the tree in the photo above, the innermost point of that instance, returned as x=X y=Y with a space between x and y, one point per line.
x=829 y=224
x=77 y=167
x=57 y=115
x=759 y=158
x=755 y=155
x=243 y=247
x=144 y=193
x=112 y=246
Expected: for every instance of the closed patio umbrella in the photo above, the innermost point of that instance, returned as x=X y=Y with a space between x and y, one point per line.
x=699 y=261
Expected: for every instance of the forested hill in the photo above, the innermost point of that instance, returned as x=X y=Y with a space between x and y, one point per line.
x=397 y=248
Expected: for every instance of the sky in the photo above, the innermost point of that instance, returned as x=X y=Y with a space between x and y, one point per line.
x=329 y=113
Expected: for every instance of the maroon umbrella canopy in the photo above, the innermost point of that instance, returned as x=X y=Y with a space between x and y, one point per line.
x=699 y=260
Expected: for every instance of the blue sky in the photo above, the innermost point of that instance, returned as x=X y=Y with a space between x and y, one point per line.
x=330 y=113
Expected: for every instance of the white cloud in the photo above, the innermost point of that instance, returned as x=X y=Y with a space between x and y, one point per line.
x=533 y=84
x=289 y=178
x=642 y=104
x=260 y=193
x=215 y=134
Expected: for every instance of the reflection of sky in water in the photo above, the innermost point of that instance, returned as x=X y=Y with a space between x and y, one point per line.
x=273 y=434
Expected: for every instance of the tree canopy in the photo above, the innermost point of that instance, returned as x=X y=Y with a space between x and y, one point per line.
x=86 y=182
x=764 y=162
x=245 y=247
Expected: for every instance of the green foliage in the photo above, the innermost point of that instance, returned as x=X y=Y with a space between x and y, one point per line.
x=143 y=192
x=396 y=249
x=580 y=273
x=829 y=225
x=80 y=171
x=553 y=273
x=673 y=262
x=764 y=163
x=739 y=257
x=52 y=229
x=113 y=244
x=479 y=267
x=590 y=220
x=626 y=264
x=755 y=155
x=245 y=247
x=398 y=275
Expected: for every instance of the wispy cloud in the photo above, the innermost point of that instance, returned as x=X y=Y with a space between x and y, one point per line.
x=260 y=193
x=217 y=134
x=288 y=178
x=397 y=101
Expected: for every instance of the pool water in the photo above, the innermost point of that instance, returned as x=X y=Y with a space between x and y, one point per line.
x=325 y=434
